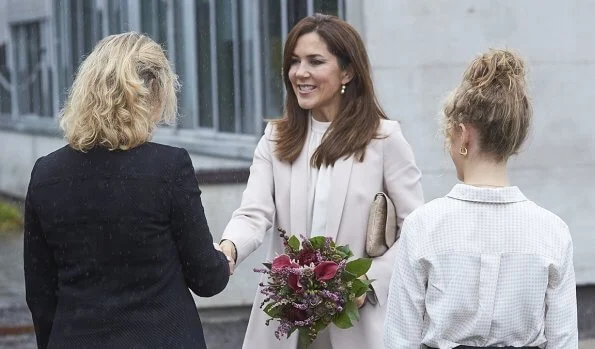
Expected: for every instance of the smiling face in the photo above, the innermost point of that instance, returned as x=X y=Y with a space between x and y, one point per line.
x=316 y=77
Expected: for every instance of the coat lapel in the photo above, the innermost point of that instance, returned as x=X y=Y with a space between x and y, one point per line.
x=337 y=195
x=298 y=202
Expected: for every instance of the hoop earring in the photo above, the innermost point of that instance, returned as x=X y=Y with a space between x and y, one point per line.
x=463 y=151
x=343 y=89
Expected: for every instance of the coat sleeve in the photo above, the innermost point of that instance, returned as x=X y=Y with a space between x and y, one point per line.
x=41 y=273
x=255 y=216
x=402 y=182
x=205 y=269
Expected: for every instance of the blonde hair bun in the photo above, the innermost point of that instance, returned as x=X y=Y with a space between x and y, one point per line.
x=496 y=68
x=493 y=98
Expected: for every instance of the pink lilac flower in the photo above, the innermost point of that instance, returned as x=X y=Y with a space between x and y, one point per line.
x=283 y=329
x=332 y=296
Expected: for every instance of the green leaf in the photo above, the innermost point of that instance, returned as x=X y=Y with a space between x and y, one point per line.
x=358 y=287
x=294 y=243
x=368 y=281
x=347 y=276
x=304 y=338
x=348 y=316
x=352 y=311
x=291 y=331
x=319 y=326
x=268 y=265
x=318 y=242
x=273 y=310
x=345 y=250
x=342 y=320
x=359 y=266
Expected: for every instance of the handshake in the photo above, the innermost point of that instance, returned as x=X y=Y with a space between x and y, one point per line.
x=229 y=250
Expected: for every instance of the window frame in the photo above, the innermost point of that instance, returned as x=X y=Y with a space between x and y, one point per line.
x=247 y=56
x=47 y=75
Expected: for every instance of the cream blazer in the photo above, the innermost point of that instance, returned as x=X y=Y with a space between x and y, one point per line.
x=276 y=196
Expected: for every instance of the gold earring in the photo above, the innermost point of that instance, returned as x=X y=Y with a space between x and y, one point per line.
x=463 y=151
x=343 y=89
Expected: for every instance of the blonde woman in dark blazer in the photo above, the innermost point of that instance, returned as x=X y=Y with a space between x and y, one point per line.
x=115 y=232
x=484 y=267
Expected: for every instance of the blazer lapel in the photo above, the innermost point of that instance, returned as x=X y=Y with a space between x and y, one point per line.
x=337 y=195
x=298 y=202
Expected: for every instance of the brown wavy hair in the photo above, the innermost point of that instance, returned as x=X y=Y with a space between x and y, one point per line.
x=359 y=111
x=116 y=91
x=493 y=98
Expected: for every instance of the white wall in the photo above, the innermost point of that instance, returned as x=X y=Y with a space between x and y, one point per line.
x=27 y=10
x=18 y=153
x=219 y=202
x=419 y=50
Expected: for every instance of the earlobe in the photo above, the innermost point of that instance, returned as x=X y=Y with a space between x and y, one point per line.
x=347 y=76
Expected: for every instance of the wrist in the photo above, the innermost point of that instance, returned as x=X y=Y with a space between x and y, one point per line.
x=228 y=245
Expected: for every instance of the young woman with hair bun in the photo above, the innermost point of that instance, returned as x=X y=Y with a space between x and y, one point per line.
x=484 y=266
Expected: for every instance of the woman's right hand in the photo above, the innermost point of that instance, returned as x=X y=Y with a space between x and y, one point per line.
x=229 y=249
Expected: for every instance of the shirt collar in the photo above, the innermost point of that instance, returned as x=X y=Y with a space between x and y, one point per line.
x=491 y=195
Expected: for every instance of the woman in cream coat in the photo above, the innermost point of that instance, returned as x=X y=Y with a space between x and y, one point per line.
x=316 y=171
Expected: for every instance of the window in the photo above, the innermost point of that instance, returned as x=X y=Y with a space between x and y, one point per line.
x=272 y=52
x=227 y=54
x=213 y=49
x=32 y=86
x=238 y=50
x=5 y=102
x=78 y=28
x=224 y=66
x=203 y=53
x=115 y=16
x=153 y=15
x=278 y=17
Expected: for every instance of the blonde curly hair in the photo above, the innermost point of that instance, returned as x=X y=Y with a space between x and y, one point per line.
x=492 y=97
x=117 y=94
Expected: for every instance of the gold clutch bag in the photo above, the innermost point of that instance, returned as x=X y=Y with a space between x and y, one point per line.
x=382 y=226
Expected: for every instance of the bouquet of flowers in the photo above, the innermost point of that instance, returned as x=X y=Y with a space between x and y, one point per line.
x=313 y=285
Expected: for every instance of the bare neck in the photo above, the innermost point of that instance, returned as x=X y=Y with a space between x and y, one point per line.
x=486 y=173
